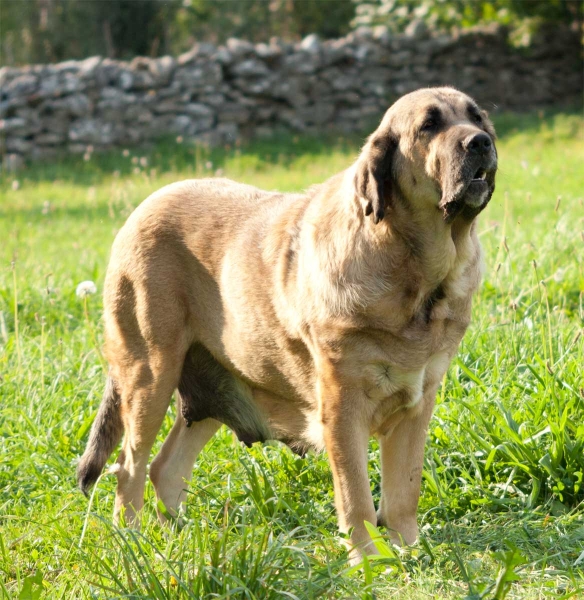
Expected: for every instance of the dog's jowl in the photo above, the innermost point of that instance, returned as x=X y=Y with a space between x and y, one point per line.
x=318 y=319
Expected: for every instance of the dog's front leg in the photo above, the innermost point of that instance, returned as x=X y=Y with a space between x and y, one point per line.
x=402 y=461
x=346 y=437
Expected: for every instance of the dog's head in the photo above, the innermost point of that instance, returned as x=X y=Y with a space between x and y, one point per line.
x=434 y=149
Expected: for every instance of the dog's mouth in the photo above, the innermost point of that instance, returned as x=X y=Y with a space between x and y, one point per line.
x=470 y=194
x=480 y=175
x=479 y=189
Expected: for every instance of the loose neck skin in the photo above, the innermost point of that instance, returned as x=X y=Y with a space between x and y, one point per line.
x=346 y=262
x=343 y=263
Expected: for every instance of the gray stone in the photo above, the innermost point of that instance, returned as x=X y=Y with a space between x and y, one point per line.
x=18 y=145
x=198 y=110
x=254 y=87
x=361 y=34
x=187 y=57
x=362 y=53
x=92 y=131
x=332 y=54
x=58 y=123
x=268 y=52
x=12 y=125
x=126 y=80
x=377 y=74
x=107 y=73
x=201 y=50
x=182 y=124
x=301 y=62
x=116 y=96
x=316 y=114
x=49 y=86
x=291 y=90
x=333 y=85
x=72 y=84
x=239 y=48
x=7 y=74
x=311 y=43
x=399 y=59
x=13 y=163
x=342 y=81
x=187 y=125
x=233 y=113
x=162 y=70
x=382 y=34
x=291 y=119
x=50 y=139
x=167 y=106
x=138 y=114
x=223 y=56
x=131 y=136
x=21 y=86
x=317 y=88
x=251 y=67
x=265 y=112
x=199 y=76
x=68 y=66
x=213 y=99
x=76 y=105
x=171 y=91
x=88 y=67
x=416 y=30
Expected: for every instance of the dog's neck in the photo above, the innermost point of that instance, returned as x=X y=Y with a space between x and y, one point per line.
x=353 y=263
x=433 y=246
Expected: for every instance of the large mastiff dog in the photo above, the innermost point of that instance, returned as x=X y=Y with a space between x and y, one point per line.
x=318 y=319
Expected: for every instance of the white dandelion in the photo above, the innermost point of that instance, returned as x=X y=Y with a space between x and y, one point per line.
x=85 y=288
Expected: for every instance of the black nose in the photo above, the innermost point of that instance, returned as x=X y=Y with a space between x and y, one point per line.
x=478 y=144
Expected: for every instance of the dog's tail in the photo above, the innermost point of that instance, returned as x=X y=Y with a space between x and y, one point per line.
x=106 y=432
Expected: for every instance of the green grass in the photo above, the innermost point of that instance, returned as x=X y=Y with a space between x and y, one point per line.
x=502 y=499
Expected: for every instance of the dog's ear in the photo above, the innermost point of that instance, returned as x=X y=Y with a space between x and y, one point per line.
x=373 y=173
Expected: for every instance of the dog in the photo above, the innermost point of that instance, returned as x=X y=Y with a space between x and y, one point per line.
x=317 y=319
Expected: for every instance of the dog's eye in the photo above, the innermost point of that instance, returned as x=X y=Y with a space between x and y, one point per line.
x=428 y=125
x=477 y=119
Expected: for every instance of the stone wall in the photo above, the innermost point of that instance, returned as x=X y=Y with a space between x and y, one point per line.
x=216 y=94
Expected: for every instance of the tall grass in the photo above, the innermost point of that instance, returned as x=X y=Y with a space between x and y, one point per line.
x=501 y=505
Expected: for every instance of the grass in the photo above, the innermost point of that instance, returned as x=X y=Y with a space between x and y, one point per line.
x=502 y=498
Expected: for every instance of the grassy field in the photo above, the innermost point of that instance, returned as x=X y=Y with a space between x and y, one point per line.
x=501 y=511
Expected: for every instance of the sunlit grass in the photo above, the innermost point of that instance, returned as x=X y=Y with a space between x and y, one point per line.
x=503 y=473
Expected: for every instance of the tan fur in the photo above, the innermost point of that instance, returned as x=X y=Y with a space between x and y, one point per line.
x=339 y=324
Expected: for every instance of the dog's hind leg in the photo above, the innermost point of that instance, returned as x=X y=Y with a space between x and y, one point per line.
x=172 y=468
x=146 y=390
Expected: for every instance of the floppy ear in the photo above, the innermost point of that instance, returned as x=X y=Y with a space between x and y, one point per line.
x=373 y=174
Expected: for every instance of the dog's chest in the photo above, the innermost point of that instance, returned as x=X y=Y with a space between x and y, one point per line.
x=412 y=347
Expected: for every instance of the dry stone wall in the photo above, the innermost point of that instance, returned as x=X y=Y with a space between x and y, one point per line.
x=216 y=94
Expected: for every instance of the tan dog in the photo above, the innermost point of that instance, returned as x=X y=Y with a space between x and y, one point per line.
x=318 y=319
